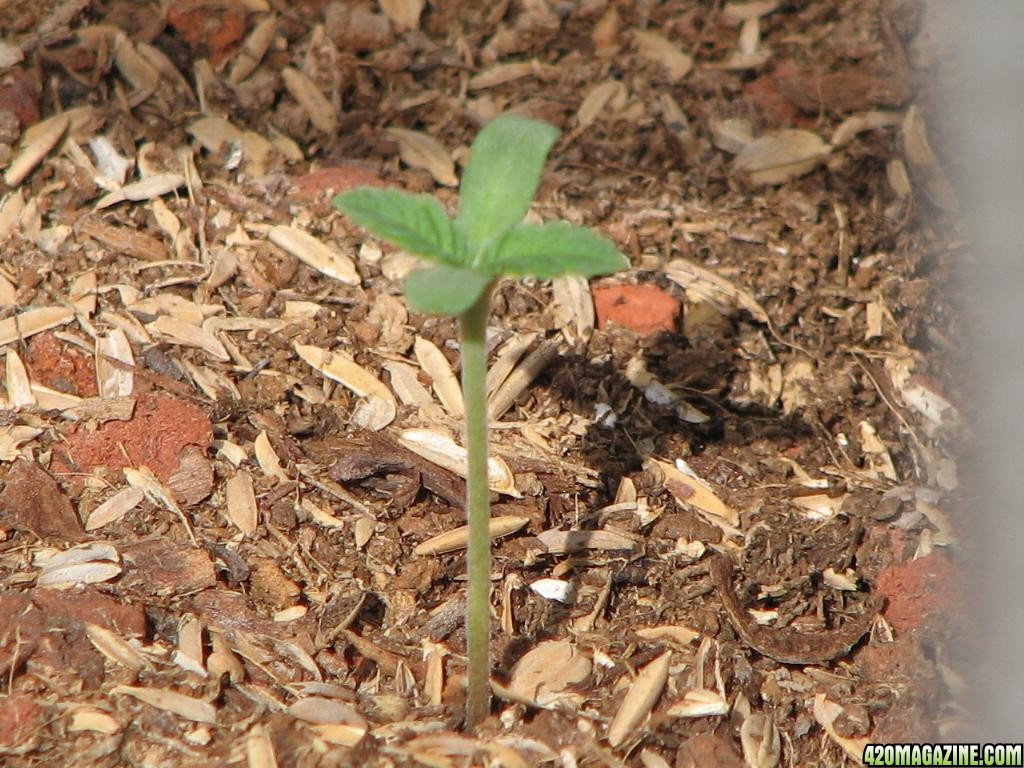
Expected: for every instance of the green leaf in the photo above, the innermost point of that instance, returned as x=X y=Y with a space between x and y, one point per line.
x=445 y=290
x=552 y=250
x=415 y=223
x=505 y=164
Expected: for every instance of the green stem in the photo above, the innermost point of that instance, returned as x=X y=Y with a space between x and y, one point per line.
x=473 y=326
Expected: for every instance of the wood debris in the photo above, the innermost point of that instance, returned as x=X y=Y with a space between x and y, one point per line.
x=458 y=538
x=640 y=699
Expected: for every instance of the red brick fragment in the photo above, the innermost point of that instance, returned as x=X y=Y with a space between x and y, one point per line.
x=212 y=27
x=20 y=717
x=919 y=589
x=645 y=309
x=334 y=180
x=156 y=435
x=56 y=365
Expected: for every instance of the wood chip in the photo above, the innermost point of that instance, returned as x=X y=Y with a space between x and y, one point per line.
x=688 y=489
x=33 y=321
x=509 y=356
x=420 y=150
x=12 y=437
x=446 y=385
x=499 y=74
x=573 y=307
x=114 y=508
x=640 y=699
x=659 y=49
x=315 y=253
x=169 y=701
x=458 y=538
x=703 y=284
x=83 y=292
x=520 y=378
x=45 y=138
x=445 y=452
x=240 y=499
x=317 y=107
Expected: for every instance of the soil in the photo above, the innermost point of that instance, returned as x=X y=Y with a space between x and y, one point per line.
x=215 y=524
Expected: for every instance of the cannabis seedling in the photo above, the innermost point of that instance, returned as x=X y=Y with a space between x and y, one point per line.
x=487 y=239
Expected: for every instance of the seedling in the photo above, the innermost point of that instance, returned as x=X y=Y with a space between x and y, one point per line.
x=487 y=239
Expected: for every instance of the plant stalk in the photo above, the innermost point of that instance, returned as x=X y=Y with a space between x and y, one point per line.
x=473 y=328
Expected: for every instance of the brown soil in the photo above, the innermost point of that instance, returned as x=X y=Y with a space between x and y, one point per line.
x=769 y=383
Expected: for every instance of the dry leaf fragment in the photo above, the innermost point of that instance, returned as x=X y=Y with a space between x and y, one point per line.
x=340 y=367
x=144 y=479
x=420 y=150
x=253 y=50
x=170 y=701
x=114 y=508
x=688 y=489
x=241 y=502
x=315 y=253
x=755 y=9
x=762 y=747
x=66 y=576
x=12 y=437
x=92 y=719
x=443 y=380
x=33 y=321
x=445 y=452
x=267 y=457
x=405 y=14
x=500 y=74
x=324 y=711
x=47 y=134
x=826 y=712
x=316 y=106
x=115 y=648
x=83 y=292
x=700 y=702
x=778 y=156
x=16 y=381
x=115 y=363
x=659 y=49
x=563 y=542
x=179 y=332
x=610 y=92
x=543 y=674
x=214 y=133
x=458 y=538
x=671 y=632
x=148 y=188
x=640 y=699
x=259 y=749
